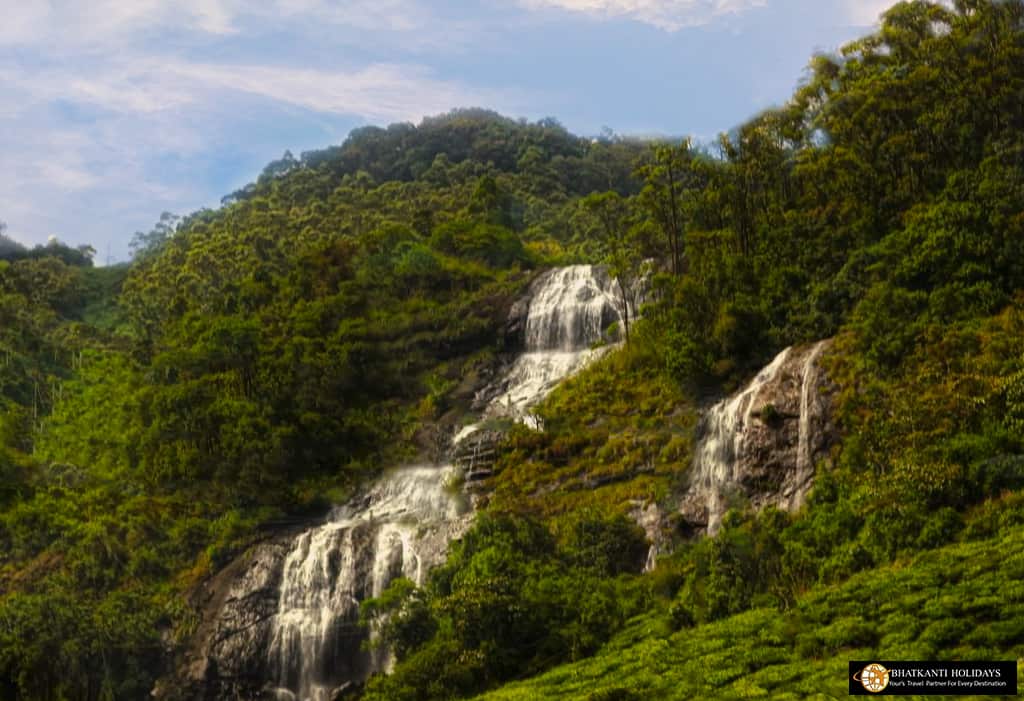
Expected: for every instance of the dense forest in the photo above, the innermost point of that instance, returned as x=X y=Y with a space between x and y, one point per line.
x=256 y=363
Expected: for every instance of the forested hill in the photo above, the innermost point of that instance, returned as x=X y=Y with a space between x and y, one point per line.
x=259 y=361
x=405 y=152
x=253 y=365
x=326 y=303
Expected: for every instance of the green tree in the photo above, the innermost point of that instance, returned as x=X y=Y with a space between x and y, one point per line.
x=144 y=245
x=670 y=183
x=606 y=217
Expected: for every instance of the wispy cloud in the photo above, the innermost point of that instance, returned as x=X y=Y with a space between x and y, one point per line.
x=374 y=15
x=150 y=85
x=670 y=15
x=868 y=13
x=131 y=86
x=376 y=92
x=865 y=13
x=97 y=22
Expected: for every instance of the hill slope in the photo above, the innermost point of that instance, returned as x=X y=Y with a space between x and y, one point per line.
x=963 y=602
x=264 y=359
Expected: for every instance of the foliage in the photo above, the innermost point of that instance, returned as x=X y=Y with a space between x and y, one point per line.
x=880 y=196
x=960 y=602
x=879 y=205
x=284 y=347
x=250 y=362
x=615 y=436
x=510 y=601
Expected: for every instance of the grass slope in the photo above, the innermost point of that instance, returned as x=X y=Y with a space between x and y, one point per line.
x=964 y=601
x=617 y=434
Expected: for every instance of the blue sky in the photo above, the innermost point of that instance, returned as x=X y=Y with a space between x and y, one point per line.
x=117 y=110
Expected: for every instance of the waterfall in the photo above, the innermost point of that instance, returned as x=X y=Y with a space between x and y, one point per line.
x=810 y=402
x=725 y=425
x=770 y=460
x=402 y=525
x=399 y=528
x=570 y=308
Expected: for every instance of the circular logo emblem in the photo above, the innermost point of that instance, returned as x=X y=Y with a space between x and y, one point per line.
x=874 y=678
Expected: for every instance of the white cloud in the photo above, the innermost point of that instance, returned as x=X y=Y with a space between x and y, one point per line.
x=149 y=85
x=115 y=109
x=376 y=92
x=70 y=23
x=391 y=15
x=865 y=13
x=670 y=15
x=22 y=21
x=65 y=177
x=868 y=13
x=75 y=24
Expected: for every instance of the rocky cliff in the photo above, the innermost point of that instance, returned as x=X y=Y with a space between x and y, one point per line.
x=760 y=445
x=225 y=659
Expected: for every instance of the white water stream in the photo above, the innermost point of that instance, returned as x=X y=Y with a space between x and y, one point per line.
x=727 y=429
x=570 y=309
x=402 y=525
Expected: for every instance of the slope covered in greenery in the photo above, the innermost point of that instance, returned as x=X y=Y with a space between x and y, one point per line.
x=963 y=602
x=261 y=360
x=883 y=206
x=257 y=363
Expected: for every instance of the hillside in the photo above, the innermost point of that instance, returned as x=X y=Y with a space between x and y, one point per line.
x=256 y=364
x=164 y=425
x=961 y=602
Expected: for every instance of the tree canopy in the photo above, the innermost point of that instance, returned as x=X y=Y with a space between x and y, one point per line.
x=261 y=360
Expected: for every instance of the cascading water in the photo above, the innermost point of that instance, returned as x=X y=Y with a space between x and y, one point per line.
x=570 y=309
x=404 y=522
x=729 y=426
x=810 y=406
x=399 y=528
x=717 y=451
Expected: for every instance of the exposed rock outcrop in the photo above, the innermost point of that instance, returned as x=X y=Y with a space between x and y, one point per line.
x=760 y=445
x=225 y=659
x=656 y=524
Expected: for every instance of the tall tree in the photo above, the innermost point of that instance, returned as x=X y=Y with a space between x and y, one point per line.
x=669 y=180
x=607 y=215
x=145 y=244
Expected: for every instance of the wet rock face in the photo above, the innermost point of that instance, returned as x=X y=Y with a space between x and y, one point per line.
x=225 y=659
x=761 y=444
x=282 y=620
x=515 y=325
x=564 y=309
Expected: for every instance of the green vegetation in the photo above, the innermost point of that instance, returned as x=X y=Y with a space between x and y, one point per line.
x=882 y=205
x=617 y=434
x=261 y=360
x=510 y=601
x=253 y=363
x=963 y=602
